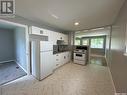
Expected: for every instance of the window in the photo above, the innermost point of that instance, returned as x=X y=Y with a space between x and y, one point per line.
x=77 y=41
x=97 y=42
x=85 y=42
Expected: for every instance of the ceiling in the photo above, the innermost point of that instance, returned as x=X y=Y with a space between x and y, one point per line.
x=93 y=32
x=62 y=14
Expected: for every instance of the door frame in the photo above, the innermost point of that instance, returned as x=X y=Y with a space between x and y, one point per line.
x=27 y=41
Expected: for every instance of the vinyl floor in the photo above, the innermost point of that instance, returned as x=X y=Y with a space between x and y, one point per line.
x=70 y=79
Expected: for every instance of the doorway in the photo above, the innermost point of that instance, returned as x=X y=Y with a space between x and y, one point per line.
x=14 y=58
x=98 y=41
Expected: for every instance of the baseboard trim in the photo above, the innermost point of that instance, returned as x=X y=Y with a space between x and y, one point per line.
x=112 y=80
x=20 y=66
x=111 y=76
x=6 y=61
x=13 y=81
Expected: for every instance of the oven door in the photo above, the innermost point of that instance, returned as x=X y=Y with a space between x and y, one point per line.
x=79 y=56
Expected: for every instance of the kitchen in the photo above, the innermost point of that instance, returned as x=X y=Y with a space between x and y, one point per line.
x=56 y=48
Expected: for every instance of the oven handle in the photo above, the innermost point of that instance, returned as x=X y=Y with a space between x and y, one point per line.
x=79 y=55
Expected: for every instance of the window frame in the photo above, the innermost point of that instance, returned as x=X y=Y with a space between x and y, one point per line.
x=85 y=39
x=104 y=37
x=91 y=37
x=77 y=39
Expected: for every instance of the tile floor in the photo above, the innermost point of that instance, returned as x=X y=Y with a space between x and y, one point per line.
x=70 y=79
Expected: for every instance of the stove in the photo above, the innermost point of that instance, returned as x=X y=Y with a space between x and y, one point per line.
x=80 y=55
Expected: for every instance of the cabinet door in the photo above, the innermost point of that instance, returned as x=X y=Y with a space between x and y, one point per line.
x=56 y=60
x=50 y=35
x=39 y=31
x=65 y=37
x=45 y=32
x=63 y=58
x=60 y=36
x=35 y=30
x=54 y=37
x=69 y=56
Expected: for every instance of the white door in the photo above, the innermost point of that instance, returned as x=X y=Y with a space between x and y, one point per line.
x=46 y=64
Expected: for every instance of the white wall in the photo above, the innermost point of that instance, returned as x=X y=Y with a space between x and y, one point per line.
x=20 y=47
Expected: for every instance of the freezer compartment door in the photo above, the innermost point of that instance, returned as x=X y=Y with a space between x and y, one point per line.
x=46 y=46
x=46 y=59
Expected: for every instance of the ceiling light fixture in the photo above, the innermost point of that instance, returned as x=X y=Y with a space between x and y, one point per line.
x=76 y=23
x=53 y=15
x=56 y=17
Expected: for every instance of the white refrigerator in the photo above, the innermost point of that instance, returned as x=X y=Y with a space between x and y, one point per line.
x=41 y=59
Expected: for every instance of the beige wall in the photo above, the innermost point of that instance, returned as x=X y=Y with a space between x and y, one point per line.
x=118 y=62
